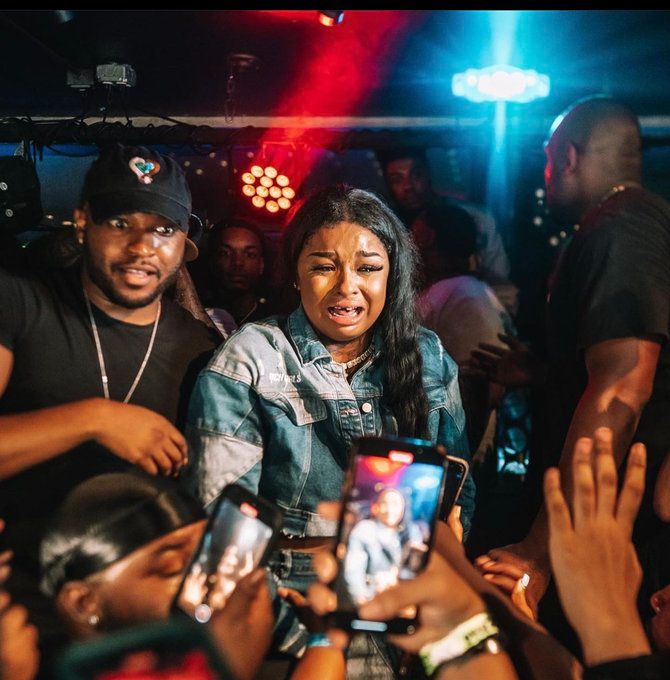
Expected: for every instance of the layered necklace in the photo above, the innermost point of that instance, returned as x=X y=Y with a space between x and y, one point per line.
x=101 y=358
x=357 y=360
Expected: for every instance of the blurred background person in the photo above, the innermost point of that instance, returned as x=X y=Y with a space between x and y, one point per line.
x=408 y=178
x=234 y=285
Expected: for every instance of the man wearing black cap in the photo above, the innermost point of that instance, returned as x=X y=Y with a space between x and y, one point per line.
x=96 y=364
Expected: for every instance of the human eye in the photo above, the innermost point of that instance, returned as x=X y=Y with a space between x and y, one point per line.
x=369 y=268
x=322 y=268
x=171 y=563
x=165 y=229
x=118 y=223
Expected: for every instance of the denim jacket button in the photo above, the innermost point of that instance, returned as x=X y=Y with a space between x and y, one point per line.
x=366 y=407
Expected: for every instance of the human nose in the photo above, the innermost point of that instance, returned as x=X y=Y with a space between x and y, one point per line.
x=237 y=260
x=347 y=282
x=142 y=245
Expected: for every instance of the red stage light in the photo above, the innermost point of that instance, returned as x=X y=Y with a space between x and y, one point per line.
x=261 y=183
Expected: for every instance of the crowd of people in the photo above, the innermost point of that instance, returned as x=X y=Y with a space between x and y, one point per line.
x=132 y=395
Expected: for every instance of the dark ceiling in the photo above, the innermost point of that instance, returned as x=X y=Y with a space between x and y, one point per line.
x=390 y=63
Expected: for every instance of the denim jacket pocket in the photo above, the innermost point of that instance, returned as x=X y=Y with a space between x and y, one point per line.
x=301 y=409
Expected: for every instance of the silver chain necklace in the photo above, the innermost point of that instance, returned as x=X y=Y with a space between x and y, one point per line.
x=101 y=359
x=357 y=360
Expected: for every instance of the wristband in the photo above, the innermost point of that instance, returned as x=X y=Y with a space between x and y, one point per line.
x=466 y=639
x=318 y=640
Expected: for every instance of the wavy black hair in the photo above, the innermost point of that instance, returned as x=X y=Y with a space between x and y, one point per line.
x=398 y=323
x=105 y=518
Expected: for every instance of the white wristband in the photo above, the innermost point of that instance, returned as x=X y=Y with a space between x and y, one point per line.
x=464 y=637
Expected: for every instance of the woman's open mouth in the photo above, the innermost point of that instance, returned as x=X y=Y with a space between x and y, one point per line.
x=345 y=315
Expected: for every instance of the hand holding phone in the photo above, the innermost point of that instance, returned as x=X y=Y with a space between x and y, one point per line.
x=392 y=497
x=239 y=536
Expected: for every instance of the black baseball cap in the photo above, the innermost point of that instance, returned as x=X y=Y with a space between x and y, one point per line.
x=126 y=179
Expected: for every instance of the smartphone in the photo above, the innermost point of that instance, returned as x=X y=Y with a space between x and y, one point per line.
x=457 y=471
x=239 y=537
x=391 y=500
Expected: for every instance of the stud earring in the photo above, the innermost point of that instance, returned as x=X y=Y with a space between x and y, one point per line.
x=93 y=620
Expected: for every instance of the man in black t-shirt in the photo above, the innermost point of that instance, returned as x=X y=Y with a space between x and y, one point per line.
x=608 y=312
x=96 y=364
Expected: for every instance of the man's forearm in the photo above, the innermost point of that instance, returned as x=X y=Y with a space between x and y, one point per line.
x=27 y=439
x=598 y=409
x=621 y=417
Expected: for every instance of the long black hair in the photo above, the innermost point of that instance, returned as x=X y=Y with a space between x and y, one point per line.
x=398 y=323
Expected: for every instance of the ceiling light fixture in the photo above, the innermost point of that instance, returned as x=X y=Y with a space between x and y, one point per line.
x=500 y=83
x=331 y=17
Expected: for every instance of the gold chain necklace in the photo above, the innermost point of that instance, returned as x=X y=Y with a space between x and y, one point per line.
x=101 y=358
x=614 y=190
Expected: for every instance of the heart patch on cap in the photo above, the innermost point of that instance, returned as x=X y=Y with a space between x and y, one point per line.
x=144 y=169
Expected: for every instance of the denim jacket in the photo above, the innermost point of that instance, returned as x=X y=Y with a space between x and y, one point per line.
x=273 y=412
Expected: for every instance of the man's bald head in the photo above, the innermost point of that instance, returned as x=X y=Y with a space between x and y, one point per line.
x=594 y=145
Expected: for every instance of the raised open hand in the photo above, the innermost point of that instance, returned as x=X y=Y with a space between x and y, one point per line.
x=592 y=557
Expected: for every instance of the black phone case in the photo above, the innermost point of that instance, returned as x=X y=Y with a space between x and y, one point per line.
x=269 y=513
x=382 y=446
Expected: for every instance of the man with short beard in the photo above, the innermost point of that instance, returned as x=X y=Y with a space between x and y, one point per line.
x=96 y=364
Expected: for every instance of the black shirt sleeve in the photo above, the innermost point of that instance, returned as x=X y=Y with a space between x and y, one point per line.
x=621 y=275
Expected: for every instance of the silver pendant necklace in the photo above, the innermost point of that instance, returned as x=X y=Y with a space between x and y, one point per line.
x=357 y=360
x=101 y=358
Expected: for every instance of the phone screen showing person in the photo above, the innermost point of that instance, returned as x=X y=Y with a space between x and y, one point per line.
x=238 y=538
x=457 y=470
x=392 y=496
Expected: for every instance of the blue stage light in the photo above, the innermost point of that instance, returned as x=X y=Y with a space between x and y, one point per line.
x=500 y=83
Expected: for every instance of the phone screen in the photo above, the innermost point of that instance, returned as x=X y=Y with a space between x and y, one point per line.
x=234 y=543
x=386 y=527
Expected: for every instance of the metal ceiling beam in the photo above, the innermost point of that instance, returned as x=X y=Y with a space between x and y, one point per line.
x=334 y=133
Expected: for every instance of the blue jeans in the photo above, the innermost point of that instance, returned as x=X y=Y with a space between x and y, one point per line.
x=368 y=656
